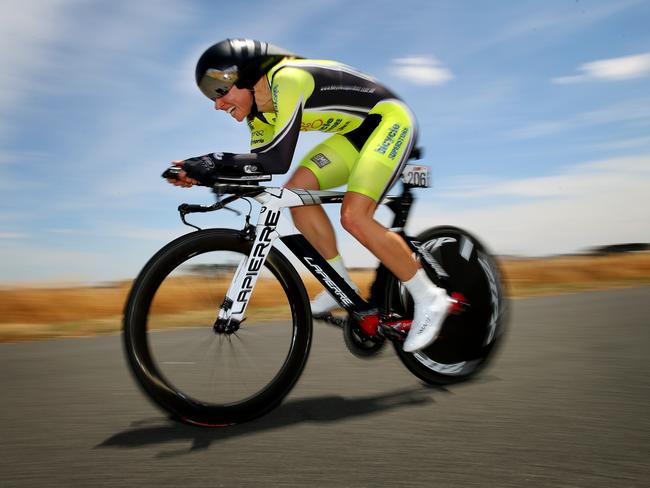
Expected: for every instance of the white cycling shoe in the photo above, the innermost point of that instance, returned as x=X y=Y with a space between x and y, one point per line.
x=431 y=310
x=427 y=322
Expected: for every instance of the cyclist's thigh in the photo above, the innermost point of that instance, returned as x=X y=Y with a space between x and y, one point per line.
x=331 y=161
x=383 y=156
x=302 y=178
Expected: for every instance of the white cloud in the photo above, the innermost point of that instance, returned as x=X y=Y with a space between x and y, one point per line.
x=156 y=235
x=26 y=29
x=629 y=143
x=579 y=180
x=421 y=70
x=13 y=235
x=43 y=43
x=21 y=157
x=632 y=164
x=595 y=203
x=546 y=22
x=626 y=111
x=613 y=69
x=28 y=263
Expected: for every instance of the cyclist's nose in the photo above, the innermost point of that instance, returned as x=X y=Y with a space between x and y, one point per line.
x=218 y=104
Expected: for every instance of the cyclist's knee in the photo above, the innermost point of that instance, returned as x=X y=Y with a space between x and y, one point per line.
x=304 y=179
x=297 y=213
x=357 y=211
x=353 y=222
x=347 y=221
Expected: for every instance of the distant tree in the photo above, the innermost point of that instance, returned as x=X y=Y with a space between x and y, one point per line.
x=212 y=270
x=620 y=248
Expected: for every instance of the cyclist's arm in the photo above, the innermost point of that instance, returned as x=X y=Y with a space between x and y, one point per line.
x=290 y=88
x=262 y=130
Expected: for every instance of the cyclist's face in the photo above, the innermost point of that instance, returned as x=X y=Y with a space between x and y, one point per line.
x=238 y=102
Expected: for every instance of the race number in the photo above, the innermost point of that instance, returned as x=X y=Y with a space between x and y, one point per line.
x=416 y=175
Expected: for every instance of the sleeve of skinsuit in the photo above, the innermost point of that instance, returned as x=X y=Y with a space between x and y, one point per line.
x=290 y=88
x=262 y=130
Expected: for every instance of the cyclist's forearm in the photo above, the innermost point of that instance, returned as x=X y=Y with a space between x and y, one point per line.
x=275 y=161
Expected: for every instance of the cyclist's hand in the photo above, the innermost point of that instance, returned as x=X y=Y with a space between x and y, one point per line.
x=203 y=170
x=181 y=178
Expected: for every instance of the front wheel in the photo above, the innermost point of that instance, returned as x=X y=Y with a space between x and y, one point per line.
x=199 y=375
x=469 y=335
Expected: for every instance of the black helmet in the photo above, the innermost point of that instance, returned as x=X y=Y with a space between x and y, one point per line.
x=238 y=62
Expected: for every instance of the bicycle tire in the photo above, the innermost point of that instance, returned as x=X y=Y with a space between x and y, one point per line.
x=140 y=338
x=468 y=339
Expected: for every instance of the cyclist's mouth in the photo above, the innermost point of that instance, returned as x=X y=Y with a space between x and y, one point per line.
x=231 y=110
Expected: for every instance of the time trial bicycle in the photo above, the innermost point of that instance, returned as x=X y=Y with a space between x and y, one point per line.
x=218 y=326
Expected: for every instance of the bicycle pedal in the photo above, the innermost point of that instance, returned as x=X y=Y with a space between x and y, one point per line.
x=392 y=333
x=321 y=316
x=457 y=303
x=330 y=319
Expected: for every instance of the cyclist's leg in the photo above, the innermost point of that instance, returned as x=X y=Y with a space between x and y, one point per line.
x=326 y=166
x=357 y=217
x=380 y=163
x=312 y=221
x=381 y=160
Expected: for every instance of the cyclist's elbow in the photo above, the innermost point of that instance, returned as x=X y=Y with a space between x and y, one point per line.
x=274 y=166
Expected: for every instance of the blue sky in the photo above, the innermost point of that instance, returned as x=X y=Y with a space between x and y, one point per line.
x=535 y=117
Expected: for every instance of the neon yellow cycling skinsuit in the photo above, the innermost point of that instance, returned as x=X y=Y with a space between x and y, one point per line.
x=373 y=131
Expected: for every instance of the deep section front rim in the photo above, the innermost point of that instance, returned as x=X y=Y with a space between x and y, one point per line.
x=195 y=374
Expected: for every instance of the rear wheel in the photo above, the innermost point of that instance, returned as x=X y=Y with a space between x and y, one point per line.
x=201 y=376
x=470 y=334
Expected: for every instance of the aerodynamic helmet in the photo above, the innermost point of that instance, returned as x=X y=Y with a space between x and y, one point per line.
x=240 y=62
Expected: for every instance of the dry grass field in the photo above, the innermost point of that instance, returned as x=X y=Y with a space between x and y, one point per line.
x=548 y=276
x=32 y=313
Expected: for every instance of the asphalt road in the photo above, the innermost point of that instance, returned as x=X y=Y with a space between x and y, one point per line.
x=565 y=404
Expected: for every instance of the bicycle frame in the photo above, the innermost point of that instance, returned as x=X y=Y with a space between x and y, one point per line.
x=270 y=219
x=462 y=348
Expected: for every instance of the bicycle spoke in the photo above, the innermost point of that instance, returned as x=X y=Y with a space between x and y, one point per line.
x=197 y=373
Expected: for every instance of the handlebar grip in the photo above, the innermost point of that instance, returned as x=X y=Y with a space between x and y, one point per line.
x=192 y=208
x=172 y=172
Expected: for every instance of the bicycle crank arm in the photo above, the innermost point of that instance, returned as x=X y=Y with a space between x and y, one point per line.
x=395 y=331
x=331 y=319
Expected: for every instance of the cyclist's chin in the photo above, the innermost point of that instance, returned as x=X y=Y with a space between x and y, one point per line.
x=239 y=115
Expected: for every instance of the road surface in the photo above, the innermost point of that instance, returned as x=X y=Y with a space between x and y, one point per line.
x=565 y=404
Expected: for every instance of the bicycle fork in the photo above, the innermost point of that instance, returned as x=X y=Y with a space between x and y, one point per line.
x=239 y=292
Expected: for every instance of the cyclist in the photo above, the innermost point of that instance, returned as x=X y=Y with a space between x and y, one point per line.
x=280 y=94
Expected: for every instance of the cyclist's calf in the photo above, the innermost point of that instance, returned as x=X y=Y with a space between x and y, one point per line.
x=357 y=217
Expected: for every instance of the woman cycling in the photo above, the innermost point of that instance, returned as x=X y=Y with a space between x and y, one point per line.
x=373 y=132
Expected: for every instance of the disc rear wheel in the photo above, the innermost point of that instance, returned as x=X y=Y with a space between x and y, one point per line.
x=475 y=326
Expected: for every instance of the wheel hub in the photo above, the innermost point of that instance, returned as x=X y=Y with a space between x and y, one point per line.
x=227 y=327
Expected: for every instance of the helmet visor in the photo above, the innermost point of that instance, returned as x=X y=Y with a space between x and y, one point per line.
x=215 y=83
